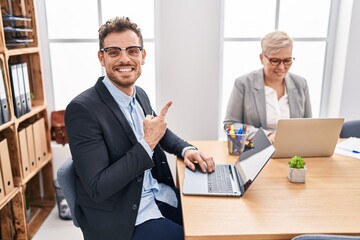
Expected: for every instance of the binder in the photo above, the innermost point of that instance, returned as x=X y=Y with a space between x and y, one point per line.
x=2 y=190
x=24 y=152
x=43 y=140
x=37 y=141
x=1 y=117
x=31 y=147
x=40 y=140
x=27 y=87
x=21 y=88
x=15 y=90
x=6 y=167
x=3 y=99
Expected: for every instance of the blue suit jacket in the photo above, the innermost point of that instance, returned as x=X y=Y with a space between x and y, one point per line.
x=110 y=163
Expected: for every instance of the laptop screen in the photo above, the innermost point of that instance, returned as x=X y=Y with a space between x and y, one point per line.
x=307 y=137
x=251 y=162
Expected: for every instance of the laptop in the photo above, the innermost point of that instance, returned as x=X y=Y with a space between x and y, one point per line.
x=307 y=137
x=231 y=179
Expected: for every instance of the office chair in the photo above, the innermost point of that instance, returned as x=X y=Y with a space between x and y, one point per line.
x=325 y=237
x=66 y=180
x=350 y=129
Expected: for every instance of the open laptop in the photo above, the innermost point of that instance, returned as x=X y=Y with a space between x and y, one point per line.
x=228 y=179
x=307 y=137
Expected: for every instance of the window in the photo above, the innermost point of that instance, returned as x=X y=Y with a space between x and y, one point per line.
x=73 y=43
x=245 y=23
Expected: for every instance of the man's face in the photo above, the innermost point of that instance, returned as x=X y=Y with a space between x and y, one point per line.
x=276 y=73
x=123 y=69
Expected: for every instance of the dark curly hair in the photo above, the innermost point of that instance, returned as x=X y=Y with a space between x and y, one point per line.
x=118 y=24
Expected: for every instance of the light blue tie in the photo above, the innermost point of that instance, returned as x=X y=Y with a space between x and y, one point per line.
x=135 y=120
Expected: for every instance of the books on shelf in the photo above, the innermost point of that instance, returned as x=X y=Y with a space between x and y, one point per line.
x=15 y=29
x=20 y=39
x=15 y=33
x=11 y=18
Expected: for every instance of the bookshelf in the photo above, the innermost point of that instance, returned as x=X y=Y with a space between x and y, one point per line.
x=26 y=172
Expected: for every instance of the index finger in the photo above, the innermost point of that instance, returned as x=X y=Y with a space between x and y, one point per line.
x=165 y=109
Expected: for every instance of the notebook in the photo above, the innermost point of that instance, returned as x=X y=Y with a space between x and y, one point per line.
x=307 y=137
x=236 y=177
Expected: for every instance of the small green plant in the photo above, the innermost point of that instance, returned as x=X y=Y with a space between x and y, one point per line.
x=297 y=162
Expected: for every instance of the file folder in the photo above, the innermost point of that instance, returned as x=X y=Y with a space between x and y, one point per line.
x=20 y=77
x=27 y=87
x=3 y=99
x=43 y=140
x=15 y=89
x=24 y=152
x=40 y=140
x=31 y=147
x=6 y=167
x=2 y=190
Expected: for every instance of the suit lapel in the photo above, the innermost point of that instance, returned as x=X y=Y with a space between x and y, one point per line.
x=259 y=94
x=109 y=101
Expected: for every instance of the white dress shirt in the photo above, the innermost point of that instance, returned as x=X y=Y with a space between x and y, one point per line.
x=275 y=109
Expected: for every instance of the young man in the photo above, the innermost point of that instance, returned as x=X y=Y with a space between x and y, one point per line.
x=124 y=187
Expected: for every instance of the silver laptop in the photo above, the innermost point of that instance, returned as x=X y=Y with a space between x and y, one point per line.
x=228 y=179
x=307 y=137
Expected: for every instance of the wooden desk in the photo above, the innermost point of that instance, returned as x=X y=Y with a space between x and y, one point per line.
x=274 y=208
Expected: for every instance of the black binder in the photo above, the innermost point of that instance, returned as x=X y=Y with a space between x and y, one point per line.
x=5 y=116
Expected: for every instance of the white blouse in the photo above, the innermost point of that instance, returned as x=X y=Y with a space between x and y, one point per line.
x=275 y=109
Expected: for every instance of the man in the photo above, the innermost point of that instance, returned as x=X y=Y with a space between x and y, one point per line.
x=124 y=187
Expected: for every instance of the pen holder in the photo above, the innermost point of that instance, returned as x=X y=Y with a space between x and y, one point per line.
x=236 y=143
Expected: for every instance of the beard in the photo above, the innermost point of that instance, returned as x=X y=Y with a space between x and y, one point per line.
x=123 y=82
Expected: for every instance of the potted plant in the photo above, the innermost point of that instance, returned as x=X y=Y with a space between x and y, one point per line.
x=297 y=170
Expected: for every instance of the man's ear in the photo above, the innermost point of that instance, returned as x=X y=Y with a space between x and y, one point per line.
x=101 y=58
x=143 y=56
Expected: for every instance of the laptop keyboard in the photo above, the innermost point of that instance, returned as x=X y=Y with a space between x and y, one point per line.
x=220 y=180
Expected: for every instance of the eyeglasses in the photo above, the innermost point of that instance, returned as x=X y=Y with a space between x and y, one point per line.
x=277 y=61
x=113 y=52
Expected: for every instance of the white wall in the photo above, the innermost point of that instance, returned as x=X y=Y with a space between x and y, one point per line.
x=188 y=61
x=350 y=99
x=191 y=78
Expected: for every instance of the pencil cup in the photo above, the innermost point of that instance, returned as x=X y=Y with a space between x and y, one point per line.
x=236 y=143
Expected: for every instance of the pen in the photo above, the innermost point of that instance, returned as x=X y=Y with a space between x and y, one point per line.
x=354 y=151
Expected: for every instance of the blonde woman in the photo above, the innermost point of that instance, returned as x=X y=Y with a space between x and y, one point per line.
x=262 y=97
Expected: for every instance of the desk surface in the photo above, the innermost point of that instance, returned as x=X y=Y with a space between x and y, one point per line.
x=274 y=208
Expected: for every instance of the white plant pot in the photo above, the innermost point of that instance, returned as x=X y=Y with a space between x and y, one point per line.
x=297 y=175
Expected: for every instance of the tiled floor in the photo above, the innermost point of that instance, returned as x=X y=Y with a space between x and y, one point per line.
x=55 y=228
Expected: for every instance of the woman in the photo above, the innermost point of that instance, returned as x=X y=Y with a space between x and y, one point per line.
x=262 y=97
